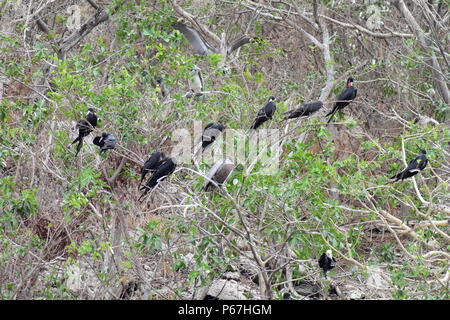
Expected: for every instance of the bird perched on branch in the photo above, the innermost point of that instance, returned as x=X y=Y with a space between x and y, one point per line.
x=343 y=99
x=196 y=82
x=327 y=262
x=210 y=133
x=265 y=113
x=85 y=126
x=106 y=141
x=305 y=110
x=163 y=171
x=219 y=174
x=414 y=166
x=152 y=164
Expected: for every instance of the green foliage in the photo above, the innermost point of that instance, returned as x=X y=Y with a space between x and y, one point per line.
x=320 y=197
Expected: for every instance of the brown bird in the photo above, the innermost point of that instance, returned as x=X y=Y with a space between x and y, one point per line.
x=218 y=174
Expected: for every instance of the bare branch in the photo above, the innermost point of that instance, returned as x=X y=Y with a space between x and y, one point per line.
x=439 y=81
x=194 y=21
x=367 y=31
x=93 y=4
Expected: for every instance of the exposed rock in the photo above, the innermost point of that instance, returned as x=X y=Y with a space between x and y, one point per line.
x=231 y=290
x=352 y=292
x=308 y=289
x=248 y=268
x=81 y=280
x=379 y=283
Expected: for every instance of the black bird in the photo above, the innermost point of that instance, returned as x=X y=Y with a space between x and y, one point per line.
x=305 y=110
x=152 y=164
x=85 y=126
x=105 y=142
x=163 y=171
x=219 y=174
x=343 y=99
x=287 y=296
x=210 y=133
x=265 y=113
x=414 y=166
x=327 y=262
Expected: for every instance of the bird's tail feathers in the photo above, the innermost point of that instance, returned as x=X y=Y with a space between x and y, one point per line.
x=332 y=115
x=80 y=144
x=76 y=139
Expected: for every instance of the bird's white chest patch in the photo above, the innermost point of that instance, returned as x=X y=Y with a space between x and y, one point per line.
x=195 y=84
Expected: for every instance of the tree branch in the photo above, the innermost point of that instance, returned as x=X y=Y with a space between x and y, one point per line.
x=191 y=18
x=439 y=81
x=367 y=31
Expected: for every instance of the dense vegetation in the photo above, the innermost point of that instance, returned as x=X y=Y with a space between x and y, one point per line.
x=72 y=228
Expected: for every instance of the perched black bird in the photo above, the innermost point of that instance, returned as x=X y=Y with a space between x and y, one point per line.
x=265 y=113
x=85 y=126
x=219 y=174
x=414 y=166
x=210 y=133
x=327 y=262
x=163 y=171
x=152 y=164
x=287 y=296
x=343 y=99
x=305 y=110
x=105 y=142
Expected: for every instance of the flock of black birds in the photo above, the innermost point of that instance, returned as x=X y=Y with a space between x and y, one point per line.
x=161 y=166
x=86 y=126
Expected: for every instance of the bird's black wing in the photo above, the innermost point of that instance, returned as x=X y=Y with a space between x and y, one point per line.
x=161 y=173
x=200 y=45
x=92 y=118
x=312 y=106
x=151 y=164
x=347 y=95
x=238 y=43
x=84 y=128
x=343 y=100
x=413 y=165
x=269 y=109
x=305 y=110
x=423 y=162
x=98 y=141
x=109 y=142
x=260 y=119
x=264 y=114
